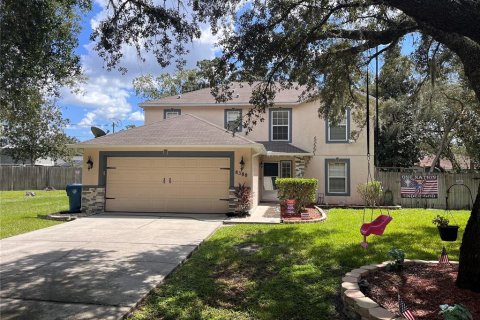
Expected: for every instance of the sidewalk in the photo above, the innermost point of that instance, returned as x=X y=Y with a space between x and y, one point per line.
x=268 y=213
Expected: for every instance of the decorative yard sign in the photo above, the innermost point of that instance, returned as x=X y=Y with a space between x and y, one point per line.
x=290 y=207
x=419 y=186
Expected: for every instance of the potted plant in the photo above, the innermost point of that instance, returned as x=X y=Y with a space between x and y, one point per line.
x=447 y=232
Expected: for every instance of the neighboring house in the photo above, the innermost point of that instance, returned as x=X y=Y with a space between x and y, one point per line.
x=75 y=161
x=184 y=160
x=464 y=162
x=6 y=160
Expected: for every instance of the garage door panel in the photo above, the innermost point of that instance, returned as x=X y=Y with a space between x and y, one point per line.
x=144 y=190
x=191 y=184
x=140 y=205
x=196 y=205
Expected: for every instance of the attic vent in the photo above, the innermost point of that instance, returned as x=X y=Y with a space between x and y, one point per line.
x=237 y=96
x=179 y=96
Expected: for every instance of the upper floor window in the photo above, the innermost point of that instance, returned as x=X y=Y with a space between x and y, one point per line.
x=340 y=132
x=171 y=113
x=280 y=125
x=233 y=120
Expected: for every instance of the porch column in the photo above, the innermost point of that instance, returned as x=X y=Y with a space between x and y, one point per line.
x=299 y=167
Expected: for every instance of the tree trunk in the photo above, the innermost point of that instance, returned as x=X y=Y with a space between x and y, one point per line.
x=443 y=142
x=469 y=267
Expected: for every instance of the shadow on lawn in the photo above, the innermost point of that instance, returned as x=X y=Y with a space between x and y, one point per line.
x=277 y=281
x=291 y=273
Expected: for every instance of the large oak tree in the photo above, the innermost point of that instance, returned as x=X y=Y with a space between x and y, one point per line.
x=324 y=44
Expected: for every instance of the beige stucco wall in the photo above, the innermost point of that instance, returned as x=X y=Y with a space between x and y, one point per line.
x=307 y=128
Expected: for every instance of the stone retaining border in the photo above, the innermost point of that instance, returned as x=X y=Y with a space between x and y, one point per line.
x=356 y=305
x=323 y=217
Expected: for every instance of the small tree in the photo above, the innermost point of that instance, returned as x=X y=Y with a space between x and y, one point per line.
x=370 y=192
x=36 y=131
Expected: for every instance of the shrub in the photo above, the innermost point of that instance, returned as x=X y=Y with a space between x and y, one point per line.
x=244 y=195
x=398 y=256
x=371 y=192
x=301 y=189
x=455 y=312
x=440 y=221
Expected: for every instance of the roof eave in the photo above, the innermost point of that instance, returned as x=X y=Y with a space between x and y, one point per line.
x=110 y=146
x=240 y=104
x=291 y=154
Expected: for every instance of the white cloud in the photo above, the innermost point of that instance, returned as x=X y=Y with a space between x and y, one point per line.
x=87 y=121
x=137 y=116
x=108 y=96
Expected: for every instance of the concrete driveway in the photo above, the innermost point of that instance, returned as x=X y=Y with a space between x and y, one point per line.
x=97 y=267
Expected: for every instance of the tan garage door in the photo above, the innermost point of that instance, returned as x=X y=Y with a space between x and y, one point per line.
x=198 y=185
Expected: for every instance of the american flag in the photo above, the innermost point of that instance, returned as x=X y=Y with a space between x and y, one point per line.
x=419 y=186
x=444 y=257
x=404 y=310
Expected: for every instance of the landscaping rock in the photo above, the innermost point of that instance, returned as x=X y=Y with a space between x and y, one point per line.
x=351 y=295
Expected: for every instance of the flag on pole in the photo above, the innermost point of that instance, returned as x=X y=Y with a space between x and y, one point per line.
x=444 y=257
x=404 y=310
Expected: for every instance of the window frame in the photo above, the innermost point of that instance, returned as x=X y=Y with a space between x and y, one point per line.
x=289 y=125
x=347 y=129
x=290 y=162
x=165 y=111
x=347 y=178
x=225 y=122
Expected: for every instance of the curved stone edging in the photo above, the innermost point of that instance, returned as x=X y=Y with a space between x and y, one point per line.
x=356 y=305
x=322 y=218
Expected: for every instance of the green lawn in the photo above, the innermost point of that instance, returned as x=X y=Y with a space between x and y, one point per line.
x=295 y=274
x=19 y=214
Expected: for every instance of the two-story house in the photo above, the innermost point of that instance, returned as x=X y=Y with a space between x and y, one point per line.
x=185 y=160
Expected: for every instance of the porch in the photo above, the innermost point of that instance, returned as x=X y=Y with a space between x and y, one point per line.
x=283 y=160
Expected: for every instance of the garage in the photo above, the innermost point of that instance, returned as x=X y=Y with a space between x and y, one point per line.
x=167 y=184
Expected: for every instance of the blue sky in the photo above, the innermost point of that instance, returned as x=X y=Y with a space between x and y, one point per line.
x=108 y=96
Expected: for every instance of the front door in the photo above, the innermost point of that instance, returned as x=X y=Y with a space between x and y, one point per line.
x=271 y=171
x=270 y=174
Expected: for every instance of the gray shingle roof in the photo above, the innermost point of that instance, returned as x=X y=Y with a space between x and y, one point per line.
x=241 y=96
x=281 y=147
x=185 y=129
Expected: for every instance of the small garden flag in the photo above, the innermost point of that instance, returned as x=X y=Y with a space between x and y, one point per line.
x=444 y=257
x=404 y=310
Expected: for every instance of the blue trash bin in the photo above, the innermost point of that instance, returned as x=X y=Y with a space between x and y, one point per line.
x=74 y=193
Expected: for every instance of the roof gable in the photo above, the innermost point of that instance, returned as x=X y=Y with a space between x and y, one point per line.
x=185 y=129
x=241 y=96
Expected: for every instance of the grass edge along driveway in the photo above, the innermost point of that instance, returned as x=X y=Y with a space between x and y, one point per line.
x=20 y=214
x=287 y=271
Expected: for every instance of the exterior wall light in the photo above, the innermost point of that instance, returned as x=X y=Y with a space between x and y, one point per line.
x=89 y=163
x=242 y=164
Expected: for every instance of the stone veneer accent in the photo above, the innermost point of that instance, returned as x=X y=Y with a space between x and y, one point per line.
x=299 y=167
x=93 y=199
x=232 y=200
x=356 y=305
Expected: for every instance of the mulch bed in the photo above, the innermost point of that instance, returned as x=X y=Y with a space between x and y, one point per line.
x=312 y=214
x=424 y=287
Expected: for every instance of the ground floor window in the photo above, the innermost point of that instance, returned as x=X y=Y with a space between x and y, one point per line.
x=286 y=169
x=337 y=174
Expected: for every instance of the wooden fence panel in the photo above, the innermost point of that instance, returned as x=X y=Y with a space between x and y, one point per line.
x=459 y=196
x=37 y=178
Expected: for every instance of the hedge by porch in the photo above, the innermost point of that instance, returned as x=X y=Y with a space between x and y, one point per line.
x=301 y=189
